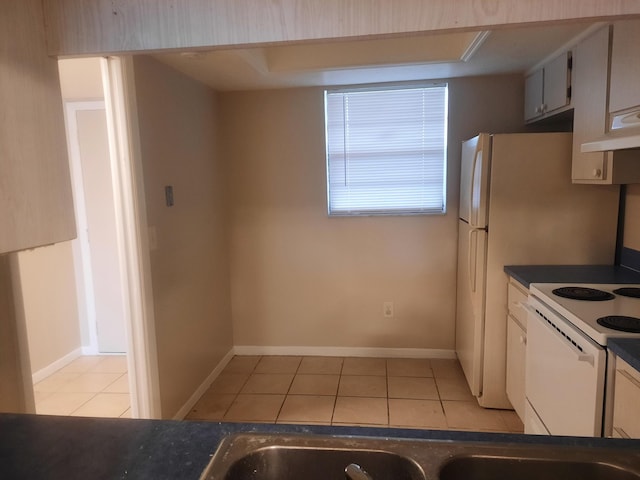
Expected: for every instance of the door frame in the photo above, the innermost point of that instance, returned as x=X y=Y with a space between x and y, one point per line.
x=133 y=238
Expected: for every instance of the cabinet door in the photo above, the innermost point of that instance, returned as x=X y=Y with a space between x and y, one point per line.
x=556 y=83
x=36 y=206
x=626 y=403
x=533 y=95
x=625 y=66
x=590 y=68
x=516 y=351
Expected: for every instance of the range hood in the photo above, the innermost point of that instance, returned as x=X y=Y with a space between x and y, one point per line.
x=624 y=134
x=613 y=142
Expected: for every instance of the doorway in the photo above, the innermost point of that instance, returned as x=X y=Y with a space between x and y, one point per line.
x=96 y=257
x=100 y=276
x=78 y=352
x=78 y=349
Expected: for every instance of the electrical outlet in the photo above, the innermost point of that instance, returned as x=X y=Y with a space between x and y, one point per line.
x=387 y=309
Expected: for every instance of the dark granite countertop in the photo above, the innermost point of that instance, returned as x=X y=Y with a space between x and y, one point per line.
x=628 y=349
x=48 y=447
x=527 y=274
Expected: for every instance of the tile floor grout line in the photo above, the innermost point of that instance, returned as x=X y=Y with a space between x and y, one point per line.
x=80 y=406
x=284 y=400
x=333 y=410
x=240 y=389
x=386 y=366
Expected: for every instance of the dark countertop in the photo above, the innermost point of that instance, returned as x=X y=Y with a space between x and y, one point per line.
x=628 y=349
x=527 y=274
x=49 y=447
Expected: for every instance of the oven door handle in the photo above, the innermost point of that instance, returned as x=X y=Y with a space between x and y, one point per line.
x=579 y=355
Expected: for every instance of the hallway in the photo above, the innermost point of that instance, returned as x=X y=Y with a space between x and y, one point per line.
x=90 y=386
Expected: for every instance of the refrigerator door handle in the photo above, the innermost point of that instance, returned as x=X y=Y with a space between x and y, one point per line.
x=477 y=155
x=471 y=264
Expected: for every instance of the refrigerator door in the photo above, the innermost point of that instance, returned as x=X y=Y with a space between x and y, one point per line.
x=474 y=180
x=472 y=254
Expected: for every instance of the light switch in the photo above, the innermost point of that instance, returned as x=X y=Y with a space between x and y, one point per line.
x=168 y=195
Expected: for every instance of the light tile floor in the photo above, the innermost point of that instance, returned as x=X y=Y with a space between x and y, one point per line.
x=410 y=393
x=90 y=386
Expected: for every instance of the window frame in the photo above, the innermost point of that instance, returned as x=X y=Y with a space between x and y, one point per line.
x=384 y=211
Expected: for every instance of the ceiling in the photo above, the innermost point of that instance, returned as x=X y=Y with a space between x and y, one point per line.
x=375 y=60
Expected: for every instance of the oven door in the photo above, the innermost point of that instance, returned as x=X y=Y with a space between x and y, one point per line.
x=565 y=374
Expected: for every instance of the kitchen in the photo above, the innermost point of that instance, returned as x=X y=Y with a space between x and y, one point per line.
x=396 y=232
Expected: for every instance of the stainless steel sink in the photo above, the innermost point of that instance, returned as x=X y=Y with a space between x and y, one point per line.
x=311 y=457
x=495 y=468
x=320 y=464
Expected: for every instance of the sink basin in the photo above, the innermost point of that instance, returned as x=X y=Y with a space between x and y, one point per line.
x=320 y=464
x=497 y=468
x=314 y=457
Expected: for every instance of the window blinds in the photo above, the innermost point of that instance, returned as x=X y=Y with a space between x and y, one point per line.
x=386 y=150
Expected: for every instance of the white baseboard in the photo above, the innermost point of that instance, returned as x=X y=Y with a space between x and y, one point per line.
x=345 y=351
x=89 y=351
x=186 y=408
x=57 y=365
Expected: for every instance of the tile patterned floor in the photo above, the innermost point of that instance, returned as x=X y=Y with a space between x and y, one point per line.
x=410 y=393
x=90 y=386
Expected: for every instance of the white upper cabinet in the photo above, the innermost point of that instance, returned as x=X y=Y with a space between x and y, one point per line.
x=533 y=95
x=548 y=89
x=625 y=66
x=36 y=204
x=591 y=72
x=557 y=83
x=590 y=93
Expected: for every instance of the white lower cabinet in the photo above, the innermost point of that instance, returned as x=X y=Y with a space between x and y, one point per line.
x=516 y=352
x=532 y=423
x=516 y=346
x=626 y=402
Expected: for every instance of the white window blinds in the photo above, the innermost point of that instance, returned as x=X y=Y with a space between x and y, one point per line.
x=386 y=150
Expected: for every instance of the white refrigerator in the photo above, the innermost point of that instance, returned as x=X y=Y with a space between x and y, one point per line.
x=518 y=207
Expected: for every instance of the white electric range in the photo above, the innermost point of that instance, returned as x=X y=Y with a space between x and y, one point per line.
x=566 y=363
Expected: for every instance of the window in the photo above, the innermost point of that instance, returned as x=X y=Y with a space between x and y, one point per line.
x=386 y=150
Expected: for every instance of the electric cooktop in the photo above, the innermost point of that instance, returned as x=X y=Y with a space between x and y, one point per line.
x=601 y=311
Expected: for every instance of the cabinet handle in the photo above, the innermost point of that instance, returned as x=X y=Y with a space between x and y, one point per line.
x=597 y=172
x=523 y=339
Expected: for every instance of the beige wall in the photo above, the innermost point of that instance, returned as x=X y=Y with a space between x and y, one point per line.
x=190 y=269
x=50 y=305
x=632 y=218
x=16 y=392
x=300 y=278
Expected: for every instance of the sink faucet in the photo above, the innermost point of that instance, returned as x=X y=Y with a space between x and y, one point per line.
x=354 y=471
